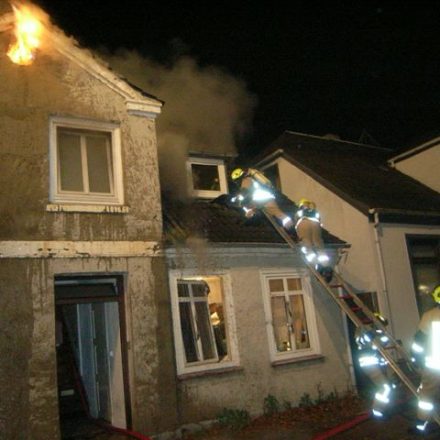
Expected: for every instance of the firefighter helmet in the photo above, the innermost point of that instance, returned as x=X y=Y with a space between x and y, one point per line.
x=436 y=294
x=305 y=203
x=237 y=173
x=379 y=317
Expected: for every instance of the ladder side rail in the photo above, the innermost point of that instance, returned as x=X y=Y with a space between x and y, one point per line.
x=396 y=345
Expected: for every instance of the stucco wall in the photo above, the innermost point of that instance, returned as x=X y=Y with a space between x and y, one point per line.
x=423 y=167
x=28 y=384
x=54 y=86
x=399 y=279
x=204 y=397
x=359 y=268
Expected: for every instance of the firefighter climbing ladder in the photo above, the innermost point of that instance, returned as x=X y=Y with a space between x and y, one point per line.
x=359 y=314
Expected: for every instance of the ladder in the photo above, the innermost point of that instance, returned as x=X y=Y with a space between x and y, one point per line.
x=360 y=315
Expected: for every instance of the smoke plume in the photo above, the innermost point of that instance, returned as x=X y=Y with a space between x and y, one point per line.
x=206 y=110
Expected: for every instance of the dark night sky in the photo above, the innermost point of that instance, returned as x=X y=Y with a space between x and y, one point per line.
x=340 y=67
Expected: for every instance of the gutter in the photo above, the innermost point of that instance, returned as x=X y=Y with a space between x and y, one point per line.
x=266 y=160
x=374 y=212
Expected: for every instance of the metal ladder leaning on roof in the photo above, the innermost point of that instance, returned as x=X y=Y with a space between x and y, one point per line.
x=358 y=313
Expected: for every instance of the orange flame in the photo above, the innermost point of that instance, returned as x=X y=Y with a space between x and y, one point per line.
x=27 y=31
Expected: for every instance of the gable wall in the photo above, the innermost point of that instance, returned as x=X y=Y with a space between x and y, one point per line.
x=423 y=167
x=53 y=85
x=342 y=220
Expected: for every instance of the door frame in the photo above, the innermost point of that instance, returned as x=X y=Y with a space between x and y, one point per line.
x=120 y=299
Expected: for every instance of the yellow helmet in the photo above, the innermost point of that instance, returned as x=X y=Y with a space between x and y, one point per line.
x=306 y=203
x=383 y=320
x=237 y=173
x=436 y=294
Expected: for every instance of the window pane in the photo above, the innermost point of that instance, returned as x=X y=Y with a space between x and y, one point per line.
x=200 y=289
x=69 y=157
x=187 y=327
x=299 y=321
x=98 y=154
x=294 y=284
x=276 y=285
x=205 y=330
x=183 y=290
x=205 y=177
x=280 y=324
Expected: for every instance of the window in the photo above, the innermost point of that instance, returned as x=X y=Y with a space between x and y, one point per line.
x=203 y=324
x=290 y=317
x=207 y=177
x=85 y=162
x=272 y=173
x=424 y=254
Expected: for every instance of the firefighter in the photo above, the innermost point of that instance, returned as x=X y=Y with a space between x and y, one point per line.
x=374 y=365
x=426 y=353
x=308 y=229
x=257 y=191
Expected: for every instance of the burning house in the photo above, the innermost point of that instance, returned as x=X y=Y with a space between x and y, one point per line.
x=80 y=228
x=162 y=327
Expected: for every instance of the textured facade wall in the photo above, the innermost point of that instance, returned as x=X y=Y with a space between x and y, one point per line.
x=28 y=382
x=203 y=397
x=29 y=96
x=55 y=86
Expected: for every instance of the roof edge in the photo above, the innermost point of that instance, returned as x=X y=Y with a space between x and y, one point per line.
x=413 y=151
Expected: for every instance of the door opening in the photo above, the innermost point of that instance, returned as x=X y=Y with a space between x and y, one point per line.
x=91 y=353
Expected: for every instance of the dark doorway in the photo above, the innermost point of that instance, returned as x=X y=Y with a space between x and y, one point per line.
x=91 y=352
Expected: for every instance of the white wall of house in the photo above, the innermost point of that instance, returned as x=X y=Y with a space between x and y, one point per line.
x=423 y=167
x=202 y=396
x=359 y=268
x=399 y=280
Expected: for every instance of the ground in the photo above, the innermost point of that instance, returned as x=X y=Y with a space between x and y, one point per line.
x=312 y=422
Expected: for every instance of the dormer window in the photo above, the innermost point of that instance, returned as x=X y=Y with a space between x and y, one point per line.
x=207 y=177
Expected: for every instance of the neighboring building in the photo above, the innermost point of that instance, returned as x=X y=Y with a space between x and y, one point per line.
x=80 y=229
x=391 y=221
x=421 y=163
x=248 y=318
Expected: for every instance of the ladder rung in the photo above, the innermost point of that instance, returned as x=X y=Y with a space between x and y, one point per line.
x=336 y=286
x=345 y=297
x=355 y=308
x=366 y=321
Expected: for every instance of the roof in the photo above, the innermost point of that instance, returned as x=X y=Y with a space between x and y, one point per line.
x=220 y=223
x=357 y=173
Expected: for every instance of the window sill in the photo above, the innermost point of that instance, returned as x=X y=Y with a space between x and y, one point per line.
x=297 y=360
x=98 y=209
x=206 y=373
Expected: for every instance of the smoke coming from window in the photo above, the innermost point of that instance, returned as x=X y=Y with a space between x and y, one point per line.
x=206 y=110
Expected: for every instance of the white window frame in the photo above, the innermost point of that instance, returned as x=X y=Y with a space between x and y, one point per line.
x=232 y=359
x=73 y=197
x=221 y=169
x=314 y=349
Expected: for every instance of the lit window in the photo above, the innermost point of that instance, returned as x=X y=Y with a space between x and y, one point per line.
x=424 y=254
x=202 y=324
x=207 y=178
x=85 y=162
x=290 y=315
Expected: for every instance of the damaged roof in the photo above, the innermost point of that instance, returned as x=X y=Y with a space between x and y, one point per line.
x=357 y=173
x=220 y=223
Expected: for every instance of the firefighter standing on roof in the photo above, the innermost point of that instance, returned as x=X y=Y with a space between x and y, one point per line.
x=426 y=351
x=257 y=191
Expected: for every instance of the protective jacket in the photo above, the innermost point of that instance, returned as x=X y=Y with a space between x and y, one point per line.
x=426 y=349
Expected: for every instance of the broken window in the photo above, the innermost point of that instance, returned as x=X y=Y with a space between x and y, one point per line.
x=207 y=177
x=202 y=327
x=292 y=325
x=85 y=162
